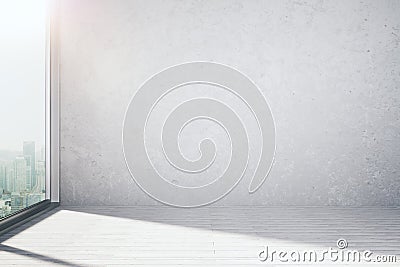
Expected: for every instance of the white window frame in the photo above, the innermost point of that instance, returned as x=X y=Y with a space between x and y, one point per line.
x=52 y=103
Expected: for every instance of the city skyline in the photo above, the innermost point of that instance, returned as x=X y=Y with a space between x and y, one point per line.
x=23 y=106
x=10 y=155
x=22 y=179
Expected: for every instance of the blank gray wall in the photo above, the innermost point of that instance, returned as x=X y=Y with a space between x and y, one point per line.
x=330 y=71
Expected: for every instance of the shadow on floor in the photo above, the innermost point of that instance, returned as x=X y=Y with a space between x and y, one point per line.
x=27 y=225
x=27 y=253
x=36 y=256
x=376 y=229
x=368 y=228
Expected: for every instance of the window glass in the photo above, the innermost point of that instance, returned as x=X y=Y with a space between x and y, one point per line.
x=22 y=104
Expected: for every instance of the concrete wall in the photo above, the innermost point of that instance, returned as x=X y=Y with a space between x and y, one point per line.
x=330 y=71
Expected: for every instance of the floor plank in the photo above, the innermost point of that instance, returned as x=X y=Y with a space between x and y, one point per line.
x=208 y=236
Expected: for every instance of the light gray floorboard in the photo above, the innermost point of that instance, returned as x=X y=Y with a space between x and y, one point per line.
x=209 y=236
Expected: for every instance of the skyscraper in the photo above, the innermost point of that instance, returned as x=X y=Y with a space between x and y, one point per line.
x=20 y=166
x=29 y=152
x=17 y=202
x=2 y=178
x=10 y=177
x=40 y=177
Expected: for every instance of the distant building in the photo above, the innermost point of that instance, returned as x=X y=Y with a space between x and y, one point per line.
x=33 y=199
x=29 y=151
x=42 y=154
x=40 y=177
x=2 y=178
x=17 y=202
x=20 y=178
x=10 y=177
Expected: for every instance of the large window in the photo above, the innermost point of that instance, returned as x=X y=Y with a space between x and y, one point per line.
x=22 y=104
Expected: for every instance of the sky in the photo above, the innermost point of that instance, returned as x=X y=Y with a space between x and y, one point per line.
x=22 y=73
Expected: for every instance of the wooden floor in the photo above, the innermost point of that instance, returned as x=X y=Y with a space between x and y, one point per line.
x=210 y=236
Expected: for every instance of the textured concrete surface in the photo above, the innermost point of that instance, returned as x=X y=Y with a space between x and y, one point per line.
x=330 y=71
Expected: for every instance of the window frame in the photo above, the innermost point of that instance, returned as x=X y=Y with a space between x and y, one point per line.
x=52 y=125
x=52 y=104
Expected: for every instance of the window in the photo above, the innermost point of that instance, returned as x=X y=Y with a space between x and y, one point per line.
x=23 y=31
